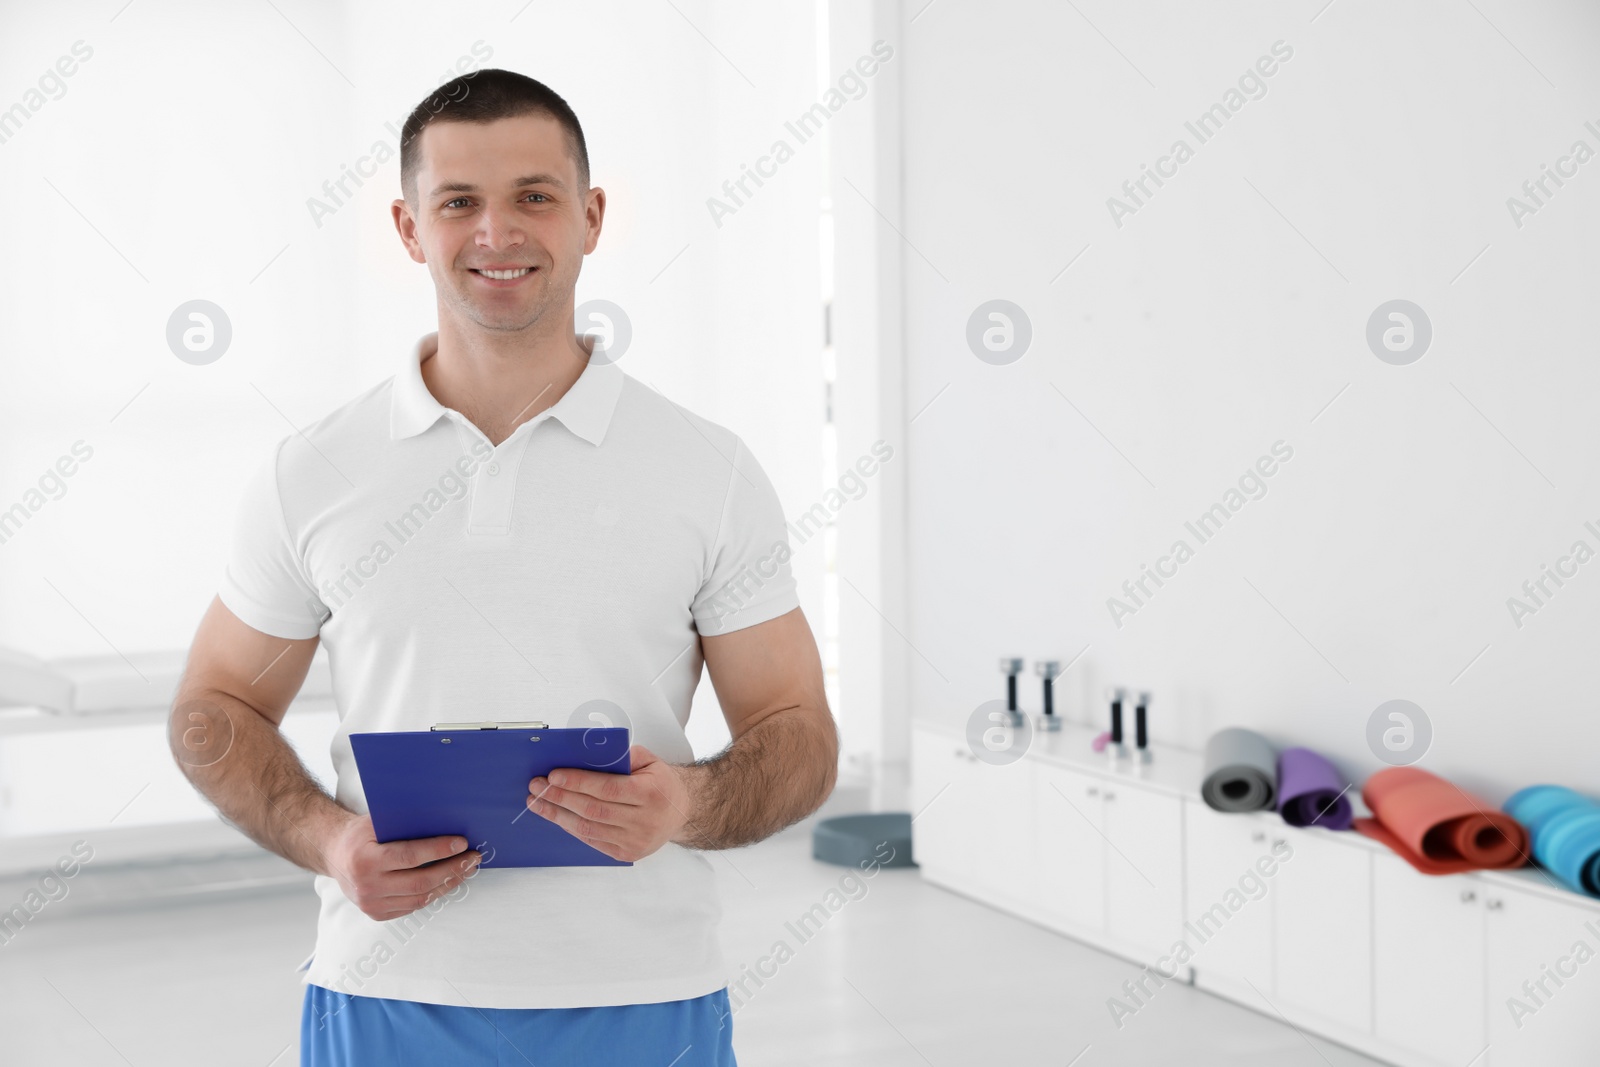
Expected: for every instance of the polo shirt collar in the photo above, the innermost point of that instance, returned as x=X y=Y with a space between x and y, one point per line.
x=585 y=409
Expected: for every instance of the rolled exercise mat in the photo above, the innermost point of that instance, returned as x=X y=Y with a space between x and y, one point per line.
x=1240 y=771
x=1311 y=791
x=1438 y=827
x=1565 y=828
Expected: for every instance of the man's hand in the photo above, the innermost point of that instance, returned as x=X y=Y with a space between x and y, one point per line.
x=625 y=816
x=390 y=880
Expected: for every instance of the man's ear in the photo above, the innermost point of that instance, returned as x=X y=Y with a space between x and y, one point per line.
x=406 y=225
x=595 y=217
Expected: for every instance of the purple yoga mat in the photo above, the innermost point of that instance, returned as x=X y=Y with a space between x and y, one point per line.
x=1311 y=792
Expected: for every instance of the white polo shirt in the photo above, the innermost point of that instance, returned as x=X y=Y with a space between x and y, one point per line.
x=450 y=580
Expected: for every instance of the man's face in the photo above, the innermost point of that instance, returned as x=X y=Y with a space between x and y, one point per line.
x=500 y=197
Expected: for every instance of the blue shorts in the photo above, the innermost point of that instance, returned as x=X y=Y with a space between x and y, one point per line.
x=340 y=1030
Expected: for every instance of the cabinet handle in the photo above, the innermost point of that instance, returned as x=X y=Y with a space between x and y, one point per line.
x=1468 y=896
x=1494 y=905
x=1111 y=796
x=1259 y=836
x=1093 y=791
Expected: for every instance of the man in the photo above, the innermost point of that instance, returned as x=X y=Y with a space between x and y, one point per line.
x=511 y=528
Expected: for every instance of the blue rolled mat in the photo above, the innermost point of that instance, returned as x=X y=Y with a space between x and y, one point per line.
x=1564 y=827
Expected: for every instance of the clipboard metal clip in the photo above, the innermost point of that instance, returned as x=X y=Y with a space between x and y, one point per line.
x=531 y=724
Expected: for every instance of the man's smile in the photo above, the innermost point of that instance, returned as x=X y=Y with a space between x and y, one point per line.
x=502 y=277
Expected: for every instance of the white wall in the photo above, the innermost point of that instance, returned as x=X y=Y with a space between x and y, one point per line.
x=865 y=186
x=174 y=167
x=1227 y=314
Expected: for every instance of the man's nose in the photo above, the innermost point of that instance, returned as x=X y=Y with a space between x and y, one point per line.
x=499 y=228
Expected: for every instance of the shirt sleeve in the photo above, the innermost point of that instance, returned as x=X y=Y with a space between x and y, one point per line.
x=264 y=582
x=750 y=580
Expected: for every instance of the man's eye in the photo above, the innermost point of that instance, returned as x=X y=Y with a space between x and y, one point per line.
x=538 y=194
x=457 y=200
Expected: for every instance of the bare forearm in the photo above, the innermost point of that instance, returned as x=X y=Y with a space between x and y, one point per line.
x=247 y=768
x=773 y=775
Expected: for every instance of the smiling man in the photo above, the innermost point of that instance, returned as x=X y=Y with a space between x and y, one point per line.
x=510 y=528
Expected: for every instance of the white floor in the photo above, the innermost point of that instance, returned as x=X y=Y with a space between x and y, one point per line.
x=903 y=974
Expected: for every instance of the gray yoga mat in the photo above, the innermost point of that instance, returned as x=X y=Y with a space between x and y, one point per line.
x=1241 y=770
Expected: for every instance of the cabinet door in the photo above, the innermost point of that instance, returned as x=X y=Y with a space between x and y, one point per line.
x=1541 y=942
x=1070 y=850
x=943 y=820
x=1427 y=961
x=1229 y=919
x=1002 y=827
x=1322 y=918
x=1144 y=866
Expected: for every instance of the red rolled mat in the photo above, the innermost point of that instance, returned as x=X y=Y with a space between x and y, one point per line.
x=1438 y=827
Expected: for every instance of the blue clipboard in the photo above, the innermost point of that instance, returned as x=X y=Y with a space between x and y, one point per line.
x=473 y=781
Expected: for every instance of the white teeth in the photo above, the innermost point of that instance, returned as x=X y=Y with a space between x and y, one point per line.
x=504 y=275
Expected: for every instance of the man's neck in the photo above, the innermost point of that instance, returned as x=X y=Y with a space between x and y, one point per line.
x=501 y=380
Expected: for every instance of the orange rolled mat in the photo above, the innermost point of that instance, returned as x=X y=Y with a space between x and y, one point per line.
x=1438 y=827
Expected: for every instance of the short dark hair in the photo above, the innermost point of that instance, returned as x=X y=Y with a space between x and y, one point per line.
x=483 y=96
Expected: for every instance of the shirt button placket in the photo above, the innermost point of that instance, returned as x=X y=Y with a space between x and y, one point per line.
x=494 y=488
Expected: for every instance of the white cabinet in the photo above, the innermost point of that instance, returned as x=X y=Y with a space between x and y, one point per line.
x=1004 y=828
x=941 y=793
x=1222 y=850
x=1286 y=914
x=1144 y=866
x=972 y=821
x=1428 y=963
x=1342 y=938
x=1322 y=927
x=1551 y=946
x=1110 y=858
x=1071 y=855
